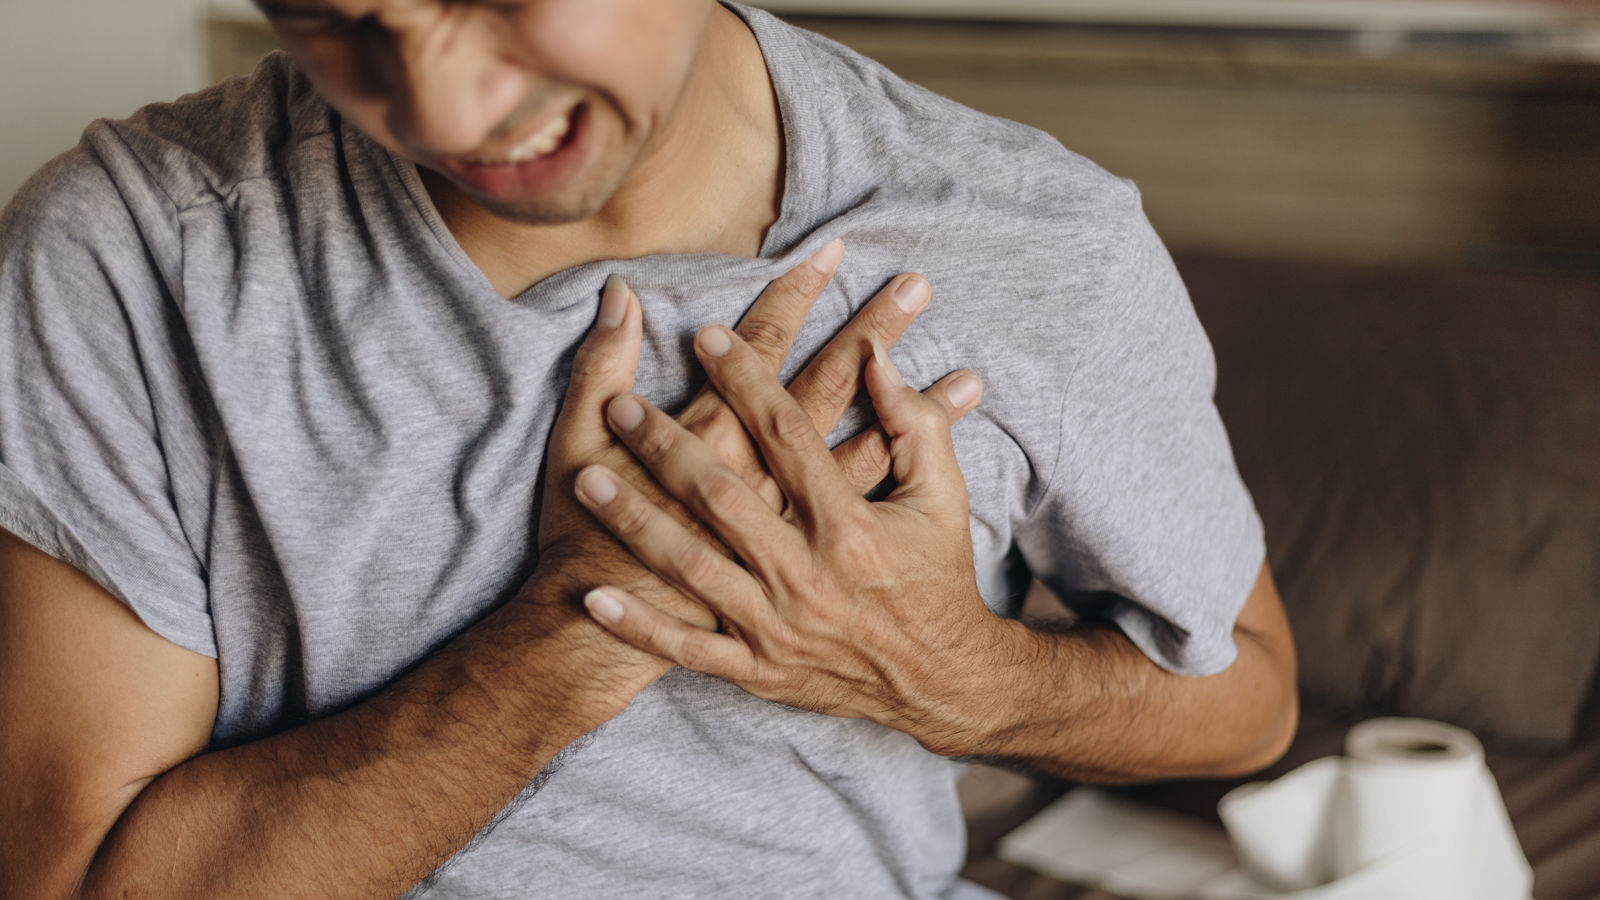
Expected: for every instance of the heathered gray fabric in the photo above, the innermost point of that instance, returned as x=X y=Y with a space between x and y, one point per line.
x=251 y=385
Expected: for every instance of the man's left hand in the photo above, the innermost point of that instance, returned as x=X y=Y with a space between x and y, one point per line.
x=836 y=604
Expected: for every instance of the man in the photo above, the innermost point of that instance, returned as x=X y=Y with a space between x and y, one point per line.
x=282 y=366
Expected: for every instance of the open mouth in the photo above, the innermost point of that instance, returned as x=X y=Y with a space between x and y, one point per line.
x=538 y=164
x=544 y=142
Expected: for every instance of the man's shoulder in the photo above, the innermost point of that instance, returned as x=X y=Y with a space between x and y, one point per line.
x=200 y=147
x=910 y=136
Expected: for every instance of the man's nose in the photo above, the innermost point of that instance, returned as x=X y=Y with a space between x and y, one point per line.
x=454 y=84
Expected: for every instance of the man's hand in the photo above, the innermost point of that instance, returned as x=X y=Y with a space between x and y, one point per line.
x=576 y=554
x=870 y=610
x=840 y=606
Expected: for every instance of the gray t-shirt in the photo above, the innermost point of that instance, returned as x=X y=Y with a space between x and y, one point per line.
x=252 y=386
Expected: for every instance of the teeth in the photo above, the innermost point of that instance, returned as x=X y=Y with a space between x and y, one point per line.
x=541 y=142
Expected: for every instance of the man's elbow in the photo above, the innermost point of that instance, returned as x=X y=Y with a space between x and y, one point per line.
x=1264 y=678
x=1272 y=741
x=1271 y=718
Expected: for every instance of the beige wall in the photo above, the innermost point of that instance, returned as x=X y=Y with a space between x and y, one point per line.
x=64 y=63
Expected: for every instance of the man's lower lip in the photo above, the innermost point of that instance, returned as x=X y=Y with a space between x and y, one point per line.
x=516 y=181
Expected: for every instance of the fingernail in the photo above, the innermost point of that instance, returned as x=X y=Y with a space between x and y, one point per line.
x=603 y=606
x=828 y=258
x=715 y=341
x=613 y=302
x=965 y=391
x=597 y=486
x=912 y=294
x=887 y=366
x=626 y=413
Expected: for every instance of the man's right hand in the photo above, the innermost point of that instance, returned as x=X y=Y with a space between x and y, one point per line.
x=575 y=553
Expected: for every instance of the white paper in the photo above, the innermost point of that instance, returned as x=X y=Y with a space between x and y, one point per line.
x=1410 y=813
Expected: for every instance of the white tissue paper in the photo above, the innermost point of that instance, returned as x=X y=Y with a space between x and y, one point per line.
x=1409 y=813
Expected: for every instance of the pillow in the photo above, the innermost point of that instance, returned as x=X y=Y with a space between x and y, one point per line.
x=1424 y=448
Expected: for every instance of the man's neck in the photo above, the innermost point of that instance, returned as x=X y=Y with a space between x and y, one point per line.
x=712 y=183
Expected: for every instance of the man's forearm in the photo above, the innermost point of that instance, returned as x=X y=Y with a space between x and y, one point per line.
x=367 y=802
x=1088 y=705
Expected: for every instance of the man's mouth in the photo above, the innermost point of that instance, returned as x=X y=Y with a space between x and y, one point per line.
x=543 y=142
x=541 y=162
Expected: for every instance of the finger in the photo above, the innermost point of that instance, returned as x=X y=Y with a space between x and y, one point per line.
x=828 y=384
x=864 y=458
x=604 y=367
x=655 y=632
x=923 y=457
x=769 y=326
x=790 y=446
x=670 y=550
x=690 y=471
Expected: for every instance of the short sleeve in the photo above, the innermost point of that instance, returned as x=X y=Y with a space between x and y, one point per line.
x=85 y=341
x=1144 y=513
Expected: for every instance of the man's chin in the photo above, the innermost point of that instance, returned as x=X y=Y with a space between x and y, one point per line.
x=551 y=211
x=572 y=204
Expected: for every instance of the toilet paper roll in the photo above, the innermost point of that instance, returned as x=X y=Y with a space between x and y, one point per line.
x=1410 y=786
x=1411 y=811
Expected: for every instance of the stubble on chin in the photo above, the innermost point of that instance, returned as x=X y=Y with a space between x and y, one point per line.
x=574 y=203
x=553 y=211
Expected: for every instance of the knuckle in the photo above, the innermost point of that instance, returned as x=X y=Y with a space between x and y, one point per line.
x=768 y=491
x=930 y=417
x=786 y=643
x=646 y=633
x=868 y=461
x=701 y=410
x=723 y=431
x=654 y=443
x=755 y=478
x=652 y=592
x=695 y=652
x=739 y=454
x=879 y=321
x=723 y=495
x=591 y=361
x=803 y=283
x=699 y=565
x=834 y=378
x=768 y=338
x=631 y=520
x=790 y=428
x=695 y=526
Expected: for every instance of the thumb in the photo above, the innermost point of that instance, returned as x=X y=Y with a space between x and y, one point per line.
x=922 y=456
x=603 y=369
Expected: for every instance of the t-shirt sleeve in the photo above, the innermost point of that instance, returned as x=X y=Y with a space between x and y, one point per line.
x=1144 y=518
x=85 y=329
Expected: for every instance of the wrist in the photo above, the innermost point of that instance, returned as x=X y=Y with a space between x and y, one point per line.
x=975 y=695
x=575 y=654
x=540 y=669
